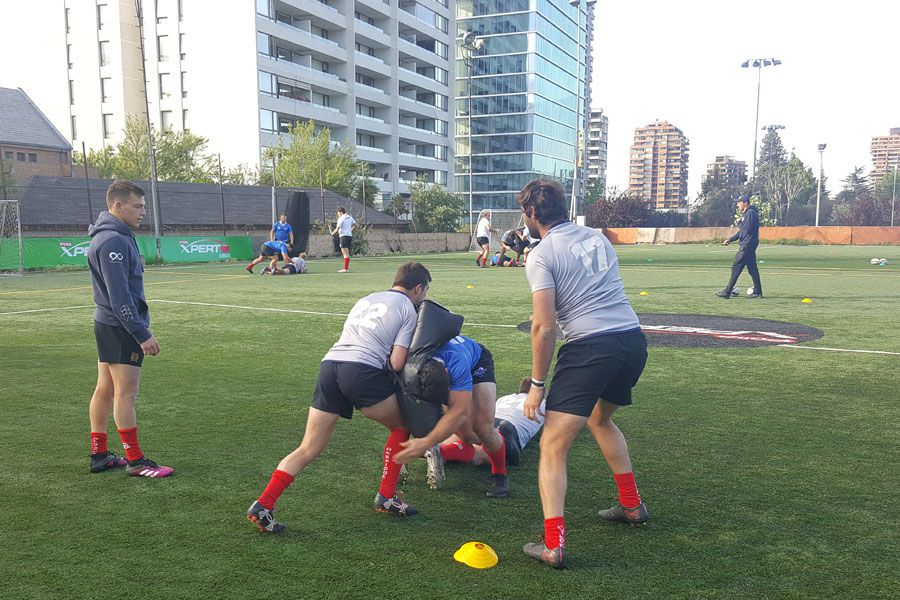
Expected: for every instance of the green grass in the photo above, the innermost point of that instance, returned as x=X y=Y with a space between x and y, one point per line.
x=769 y=472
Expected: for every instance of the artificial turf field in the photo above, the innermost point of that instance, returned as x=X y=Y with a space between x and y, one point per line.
x=769 y=472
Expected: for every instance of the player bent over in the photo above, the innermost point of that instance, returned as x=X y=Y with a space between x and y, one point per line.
x=355 y=374
x=121 y=326
x=575 y=284
x=470 y=367
x=270 y=251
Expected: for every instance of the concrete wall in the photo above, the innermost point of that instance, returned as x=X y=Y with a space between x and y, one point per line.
x=388 y=242
x=862 y=236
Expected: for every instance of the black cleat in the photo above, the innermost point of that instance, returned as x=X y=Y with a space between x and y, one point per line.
x=619 y=514
x=754 y=296
x=511 y=439
x=394 y=506
x=556 y=558
x=724 y=294
x=106 y=460
x=501 y=487
x=264 y=518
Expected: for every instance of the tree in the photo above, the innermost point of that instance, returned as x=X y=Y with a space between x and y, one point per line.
x=594 y=192
x=433 y=208
x=715 y=204
x=618 y=209
x=180 y=156
x=854 y=204
x=365 y=190
x=311 y=160
x=772 y=156
x=785 y=184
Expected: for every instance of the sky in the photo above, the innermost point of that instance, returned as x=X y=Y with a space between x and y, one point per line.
x=838 y=84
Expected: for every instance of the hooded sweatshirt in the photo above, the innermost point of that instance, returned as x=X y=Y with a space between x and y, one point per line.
x=118 y=277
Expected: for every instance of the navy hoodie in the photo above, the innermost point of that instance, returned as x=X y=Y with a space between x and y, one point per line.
x=118 y=277
x=748 y=232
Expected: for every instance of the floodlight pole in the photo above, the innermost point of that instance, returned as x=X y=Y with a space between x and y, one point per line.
x=758 y=63
x=574 y=201
x=894 y=195
x=819 y=192
x=154 y=196
x=470 y=44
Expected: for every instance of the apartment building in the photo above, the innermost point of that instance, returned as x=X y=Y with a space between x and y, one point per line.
x=885 y=155
x=727 y=171
x=522 y=111
x=598 y=139
x=375 y=72
x=658 y=167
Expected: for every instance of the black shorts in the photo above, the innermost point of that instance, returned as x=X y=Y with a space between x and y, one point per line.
x=292 y=270
x=346 y=241
x=116 y=346
x=343 y=386
x=267 y=251
x=602 y=366
x=483 y=241
x=483 y=372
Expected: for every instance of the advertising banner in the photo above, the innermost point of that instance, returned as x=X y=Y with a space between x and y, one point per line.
x=42 y=253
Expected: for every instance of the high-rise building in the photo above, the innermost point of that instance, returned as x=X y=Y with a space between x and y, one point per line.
x=375 y=72
x=528 y=89
x=658 y=170
x=885 y=155
x=727 y=170
x=598 y=139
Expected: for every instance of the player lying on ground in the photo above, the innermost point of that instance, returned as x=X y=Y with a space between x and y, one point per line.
x=297 y=266
x=270 y=251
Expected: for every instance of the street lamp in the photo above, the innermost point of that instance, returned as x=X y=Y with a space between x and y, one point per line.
x=894 y=195
x=819 y=192
x=758 y=63
x=579 y=121
x=470 y=44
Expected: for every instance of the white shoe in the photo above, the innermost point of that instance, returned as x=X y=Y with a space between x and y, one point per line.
x=344 y=271
x=435 y=471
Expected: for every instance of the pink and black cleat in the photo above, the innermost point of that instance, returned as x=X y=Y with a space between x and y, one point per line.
x=144 y=467
x=105 y=461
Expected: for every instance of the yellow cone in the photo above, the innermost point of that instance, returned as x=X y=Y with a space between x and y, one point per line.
x=477 y=555
x=806 y=301
x=470 y=286
x=644 y=294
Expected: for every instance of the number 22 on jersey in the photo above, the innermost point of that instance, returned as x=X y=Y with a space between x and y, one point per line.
x=365 y=314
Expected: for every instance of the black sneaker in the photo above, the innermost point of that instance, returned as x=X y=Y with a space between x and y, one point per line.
x=394 y=506
x=724 y=294
x=264 y=518
x=106 y=460
x=511 y=439
x=501 y=487
x=619 y=514
x=754 y=296
x=556 y=558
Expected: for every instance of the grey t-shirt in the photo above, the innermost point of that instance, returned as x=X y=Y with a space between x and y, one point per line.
x=375 y=324
x=581 y=265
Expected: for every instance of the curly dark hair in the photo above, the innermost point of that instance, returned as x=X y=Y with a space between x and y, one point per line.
x=434 y=382
x=547 y=198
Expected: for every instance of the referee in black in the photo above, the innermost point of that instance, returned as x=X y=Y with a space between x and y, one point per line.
x=748 y=238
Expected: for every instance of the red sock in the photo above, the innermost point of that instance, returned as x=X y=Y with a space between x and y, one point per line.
x=483 y=261
x=277 y=484
x=347 y=263
x=554 y=532
x=628 y=494
x=391 y=470
x=457 y=451
x=130 y=442
x=498 y=457
x=98 y=443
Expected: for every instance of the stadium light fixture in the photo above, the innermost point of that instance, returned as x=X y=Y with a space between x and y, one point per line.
x=757 y=63
x=819 y=191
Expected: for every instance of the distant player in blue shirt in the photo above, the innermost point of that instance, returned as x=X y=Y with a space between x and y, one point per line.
x=282 y=231
x=471 y=369
x=270 y=251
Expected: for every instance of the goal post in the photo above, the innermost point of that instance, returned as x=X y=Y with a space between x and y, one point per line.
x=502 y=221
x=11 y=251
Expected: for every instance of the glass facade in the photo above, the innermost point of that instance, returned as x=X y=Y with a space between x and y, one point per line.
x=516 y=114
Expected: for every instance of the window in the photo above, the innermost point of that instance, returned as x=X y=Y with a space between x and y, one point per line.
x=72 y=92
x=102 y=13
x=32 y=157
x=365 y=49
x=263 y=43
x=365 y=80
x=74 y=129
x=67 y=21
x=105 y=85
x=69 y=53
x=184 y=120
x=266 y=120
x=107 y=126
x=161 y=20
x=104 y=54
x=262 y=8
x=266 y=81
x=319 y=31
x=364 y=18
x=320 y=65
x=165 y=120
x=183 y=84
x=165 y=85
x=8 y=155
x=321 y=99
x=162 y=45
x=364 y=139
x=365 y=110
x=20 y=156
x=181 y=45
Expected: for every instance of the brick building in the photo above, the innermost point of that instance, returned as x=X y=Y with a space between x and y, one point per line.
x=29 y=143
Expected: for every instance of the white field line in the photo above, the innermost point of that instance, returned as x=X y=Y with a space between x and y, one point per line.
x=328 y=314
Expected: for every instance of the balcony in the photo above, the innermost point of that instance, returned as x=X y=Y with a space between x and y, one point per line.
x=373 y=33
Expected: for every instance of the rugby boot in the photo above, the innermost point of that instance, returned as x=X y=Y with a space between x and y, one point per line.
x=144 y=467
x=501 y=487
x=724 y=294
x=249 y=269
x=755 y=296
x=619 y=514
x=556 y=558
x=264 y=518
x=106 y=460
x=435 y=470
x=511 y=438
x=394 y=506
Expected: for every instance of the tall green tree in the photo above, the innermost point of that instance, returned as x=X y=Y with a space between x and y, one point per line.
x=772 y=156
x=715 y=204
x=311 y=160
x=618 y=209
x=433 y=208
x=180 y=155
x=785 y=184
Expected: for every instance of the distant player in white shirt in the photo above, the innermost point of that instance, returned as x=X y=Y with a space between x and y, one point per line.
x=345 y=226
x=296 y=266
x=483 y=236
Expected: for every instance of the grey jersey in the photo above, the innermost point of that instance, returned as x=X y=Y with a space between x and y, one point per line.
x=375 y=324
x=581 y=265
x=512 y=408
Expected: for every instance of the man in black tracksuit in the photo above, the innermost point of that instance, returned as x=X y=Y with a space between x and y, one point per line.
x=748 y=238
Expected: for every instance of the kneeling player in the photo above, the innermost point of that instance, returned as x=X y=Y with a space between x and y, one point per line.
x=514 y=240
x=270 y=251
x=471 y=382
